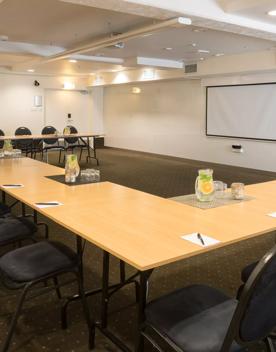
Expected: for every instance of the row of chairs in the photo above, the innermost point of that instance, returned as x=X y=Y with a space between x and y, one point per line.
x=192 y=319
x=42 y=146
x=29 y=265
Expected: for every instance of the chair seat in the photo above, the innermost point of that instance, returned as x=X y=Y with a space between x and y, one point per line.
x=14 y=229
x=195 y=318
x=4 y=209
x=36 y=261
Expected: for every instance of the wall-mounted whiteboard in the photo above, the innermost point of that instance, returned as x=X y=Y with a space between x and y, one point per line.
x=242 y=111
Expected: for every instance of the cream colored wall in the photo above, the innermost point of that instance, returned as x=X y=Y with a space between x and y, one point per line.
x=17 y=97
x=169 y=118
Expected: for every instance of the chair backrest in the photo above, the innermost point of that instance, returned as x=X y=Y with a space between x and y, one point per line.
x=2 y=142
x=49 y=130
x=255 y=315
x=72 y=140
x=23 y=131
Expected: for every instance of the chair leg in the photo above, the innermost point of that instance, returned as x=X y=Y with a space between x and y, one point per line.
x=59 y=159
x=269 y=345
x=14 y=320
x=91 y=324
x=122 y=271
x=57 y=288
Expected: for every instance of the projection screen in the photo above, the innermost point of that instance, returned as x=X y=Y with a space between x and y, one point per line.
x=242 y=111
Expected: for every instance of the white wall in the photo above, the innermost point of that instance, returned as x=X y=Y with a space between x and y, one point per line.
x=17 y=97
x=169 y=118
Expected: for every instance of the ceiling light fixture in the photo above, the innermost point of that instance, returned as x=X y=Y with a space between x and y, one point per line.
x=203 y=51
x=194 y=44
x=272 y=13
x=168 y=49
x=219 y=54
x=31 y=70
x=202 y=59
x=73 y=61
x=69 y=85
x=136 y=90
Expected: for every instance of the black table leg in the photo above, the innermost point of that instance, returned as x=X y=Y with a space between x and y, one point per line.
x=94 y=151
x=144 y=277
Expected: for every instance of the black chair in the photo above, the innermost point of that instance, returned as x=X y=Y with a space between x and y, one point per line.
x=16 y=230
x=72 y=143
x=2 y=142
x=200 y=318
x=24 y=144
x=4 y=209
x=51 y=143
x=37 y=263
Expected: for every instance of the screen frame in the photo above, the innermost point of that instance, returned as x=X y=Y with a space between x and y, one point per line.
x=227 y=136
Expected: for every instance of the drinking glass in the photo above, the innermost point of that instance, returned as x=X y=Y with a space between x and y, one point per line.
x=237 y=189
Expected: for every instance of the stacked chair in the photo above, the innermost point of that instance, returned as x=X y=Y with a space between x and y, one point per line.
x=51 y=143
x=24 y=144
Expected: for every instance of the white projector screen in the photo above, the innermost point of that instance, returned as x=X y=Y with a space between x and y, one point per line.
x=242 y=111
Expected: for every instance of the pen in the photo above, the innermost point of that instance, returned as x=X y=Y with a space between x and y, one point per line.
x=14 y=185
x=200 y=238
x=49 y=203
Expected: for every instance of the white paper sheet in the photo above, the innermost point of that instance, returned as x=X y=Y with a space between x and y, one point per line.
x=193 y=237
x=41 y=206
x=11 y=185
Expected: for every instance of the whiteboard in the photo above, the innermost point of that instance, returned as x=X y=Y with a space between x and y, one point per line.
x=242 y=111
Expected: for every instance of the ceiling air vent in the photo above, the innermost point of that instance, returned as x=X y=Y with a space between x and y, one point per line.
x=191 y=68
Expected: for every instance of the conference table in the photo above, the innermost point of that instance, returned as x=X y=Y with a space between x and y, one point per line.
x=140 y=229
x=84 y=137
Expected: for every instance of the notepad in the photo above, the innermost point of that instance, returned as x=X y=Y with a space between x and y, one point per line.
x=48 y=204
x=13 y=185
x=273 y=215
x=193 y=237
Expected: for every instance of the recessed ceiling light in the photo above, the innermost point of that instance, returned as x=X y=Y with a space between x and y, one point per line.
x=31 y=70
x=168 y=48
x=147 y=34
x=219 y=54
x=202 y=59
x=194 y=45
x=203 y=51
x=272 y=13
x=73 y=61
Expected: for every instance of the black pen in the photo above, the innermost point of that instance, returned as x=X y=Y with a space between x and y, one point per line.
x=14 y=185
x=50 y=203
x=200 y=238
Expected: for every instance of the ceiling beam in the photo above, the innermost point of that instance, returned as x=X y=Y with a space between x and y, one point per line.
x=105 y=42
x=125 y=6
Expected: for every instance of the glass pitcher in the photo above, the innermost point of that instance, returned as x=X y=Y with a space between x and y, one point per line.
x=72 y=168
x=204 y=186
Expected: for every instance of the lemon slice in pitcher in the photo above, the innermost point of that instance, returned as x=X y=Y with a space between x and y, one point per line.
x=206 y=187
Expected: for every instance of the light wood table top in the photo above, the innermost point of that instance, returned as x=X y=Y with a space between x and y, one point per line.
x=49 y=136
x=141 y=229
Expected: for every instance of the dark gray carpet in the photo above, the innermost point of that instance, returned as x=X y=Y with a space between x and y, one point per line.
x=39 y=327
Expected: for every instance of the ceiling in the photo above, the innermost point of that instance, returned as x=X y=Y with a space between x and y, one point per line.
x=32 y=29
